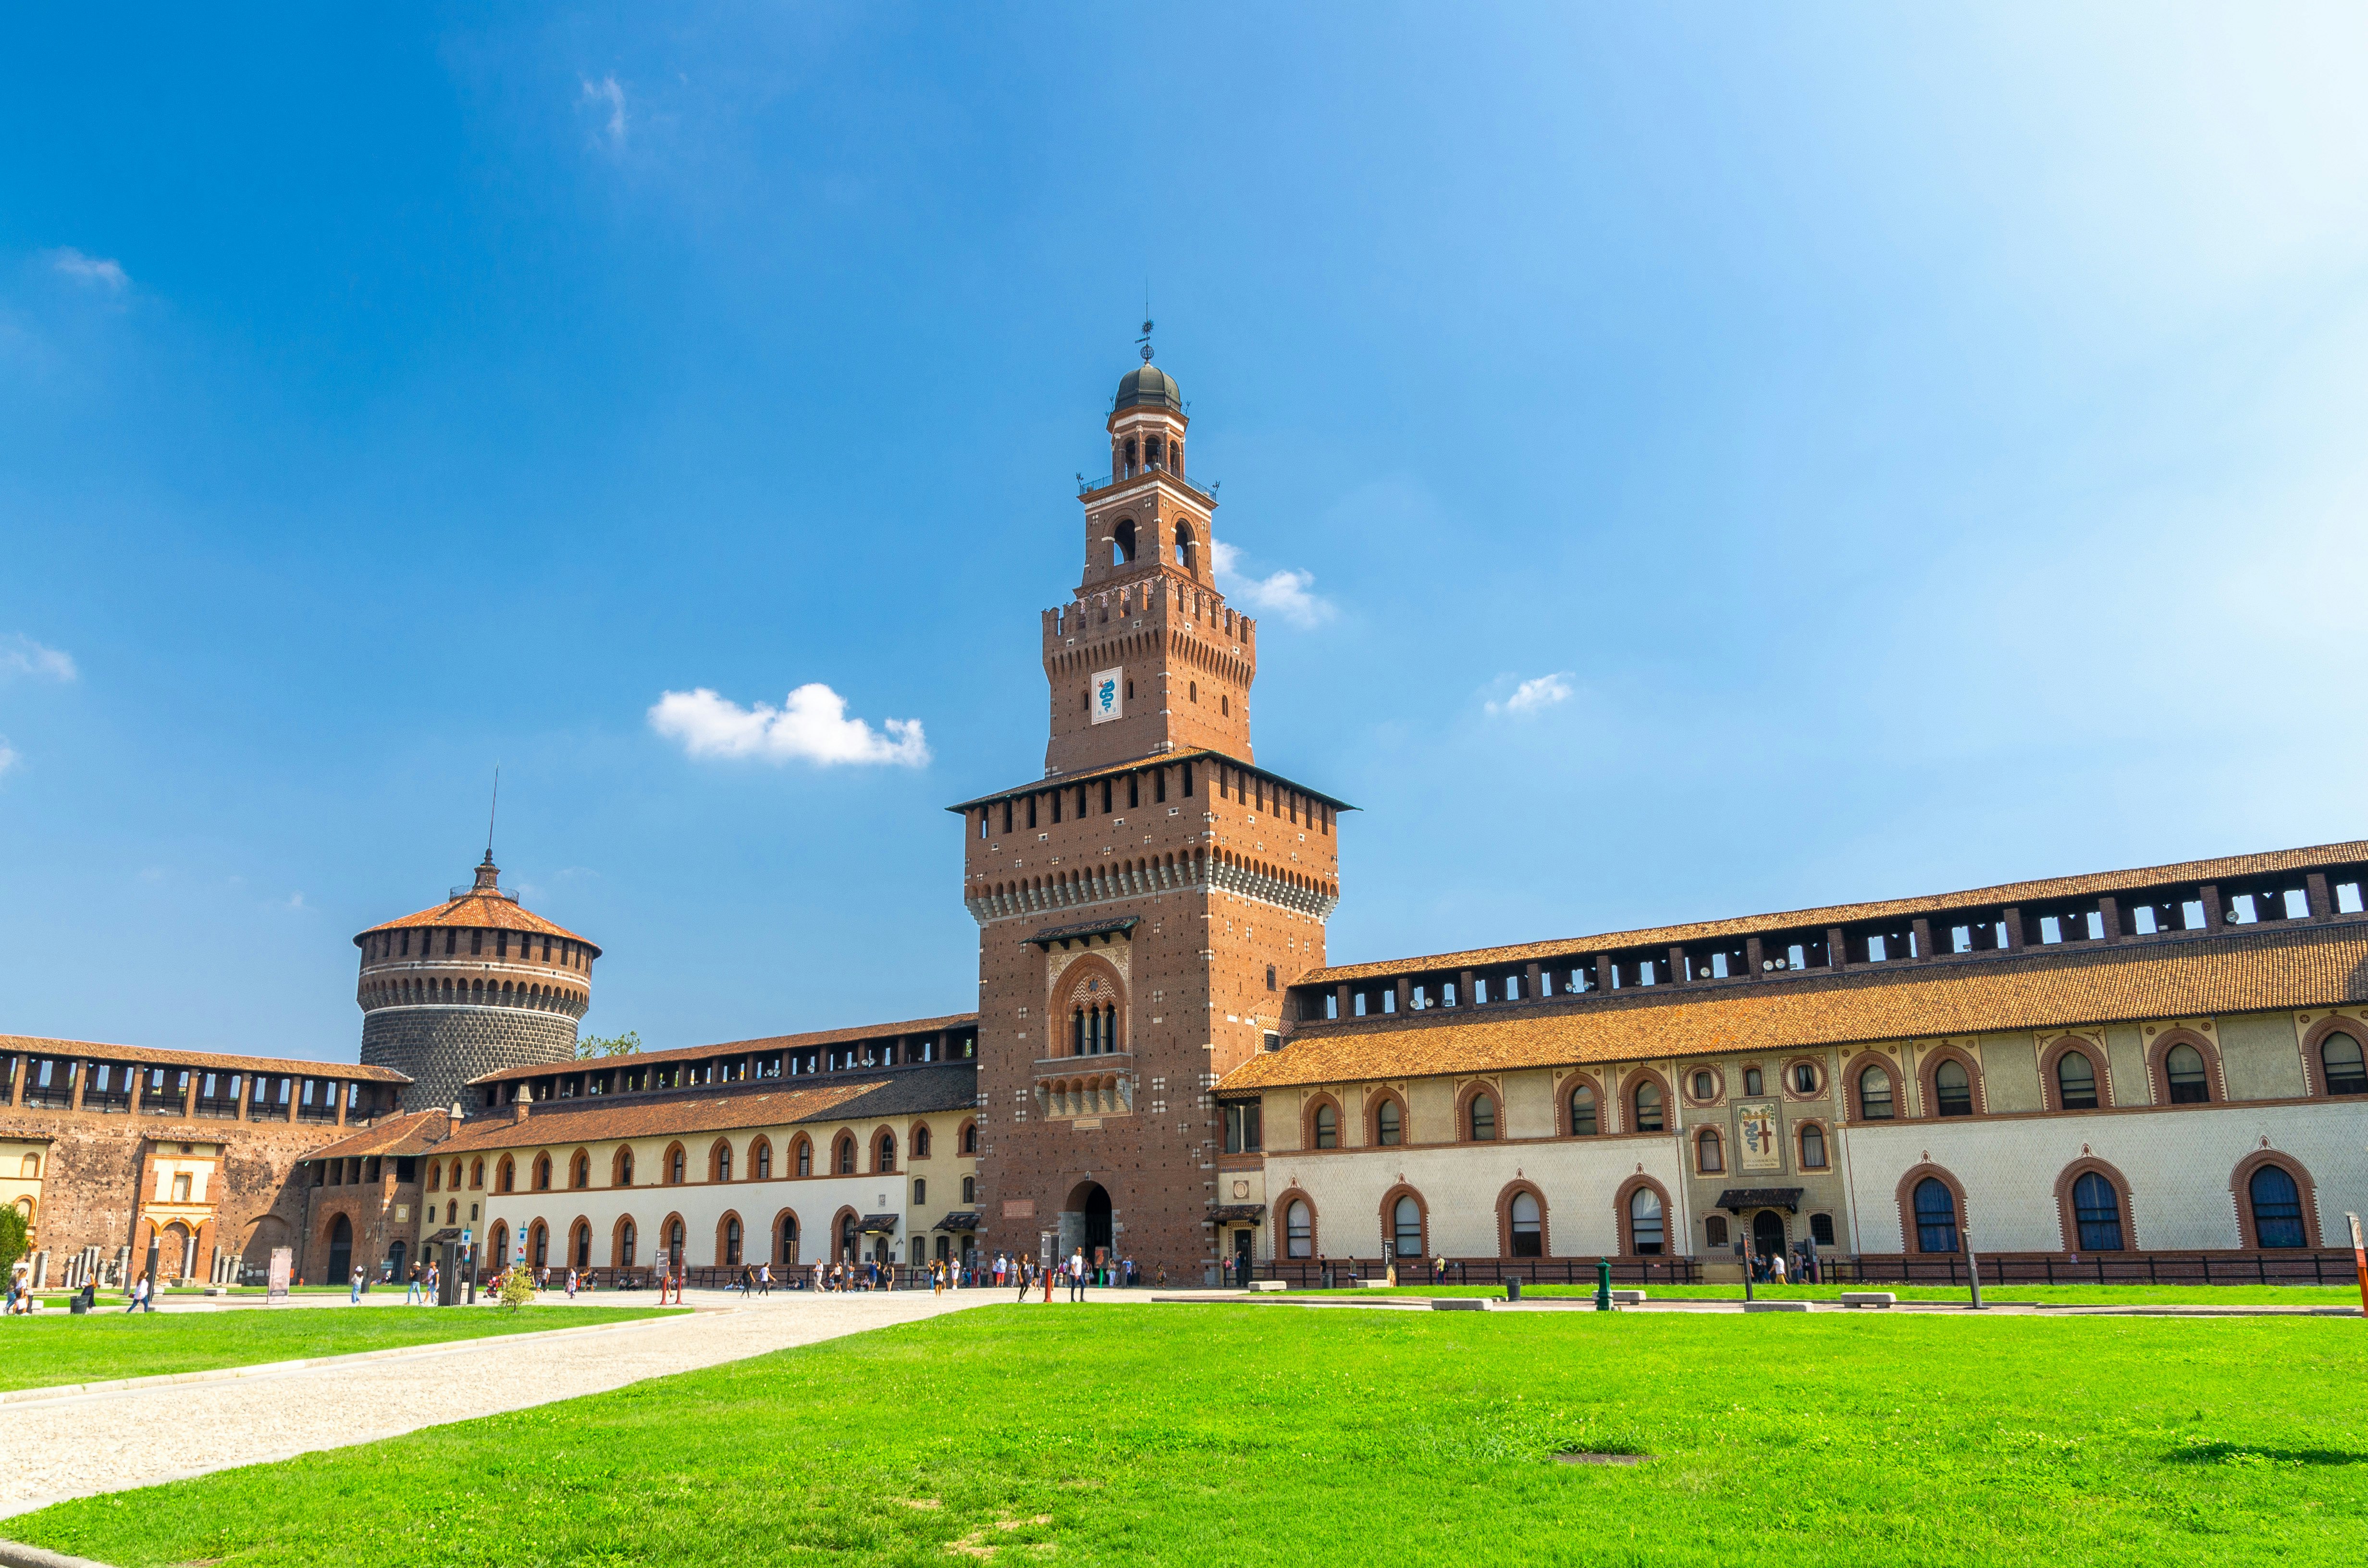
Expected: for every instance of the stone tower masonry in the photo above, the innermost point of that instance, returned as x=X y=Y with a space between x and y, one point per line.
x=475 y=984
x=1143 y=906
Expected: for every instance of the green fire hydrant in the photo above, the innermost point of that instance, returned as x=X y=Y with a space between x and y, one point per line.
x=1602 y=1284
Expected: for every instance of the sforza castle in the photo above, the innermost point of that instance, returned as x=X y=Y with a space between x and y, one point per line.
x=2128 y=1065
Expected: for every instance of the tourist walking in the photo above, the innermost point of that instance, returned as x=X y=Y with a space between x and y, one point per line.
x=765 y=1277
x=1776 y=1268
x=1021 y=1272
x=356 y=1297
x=435 y=1286
x=571 y=1284
x=411 y=1288
x=1078 y=1274
x=137 y=1296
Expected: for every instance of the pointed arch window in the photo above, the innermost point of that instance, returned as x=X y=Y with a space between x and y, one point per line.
x=1483 y=1119
x=1188 y=550
x=1387 y=1126
x=1405 y=1226
x=1709 y=1157
x=1648 y=1225
x=1936 y=1216
x=1299 y=1230
x=1528 y=1226
x=1327 y=1127
x=2097 y=1213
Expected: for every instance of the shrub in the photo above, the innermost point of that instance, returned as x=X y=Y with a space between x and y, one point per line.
x=14 y=1240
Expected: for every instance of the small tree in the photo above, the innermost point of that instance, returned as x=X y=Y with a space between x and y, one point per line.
x=626 y=1044
x=517 y=1287
x=13 y=1240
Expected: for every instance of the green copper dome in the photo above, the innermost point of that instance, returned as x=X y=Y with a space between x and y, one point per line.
x=1150 y=387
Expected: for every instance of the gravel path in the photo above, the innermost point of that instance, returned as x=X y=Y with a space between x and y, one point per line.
x=83 y=1443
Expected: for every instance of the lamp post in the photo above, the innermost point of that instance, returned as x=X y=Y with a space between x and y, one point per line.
x=1973 y=1266
x=1602 y=1284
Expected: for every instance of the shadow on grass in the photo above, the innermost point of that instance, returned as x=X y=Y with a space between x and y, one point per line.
x=2236 y=1453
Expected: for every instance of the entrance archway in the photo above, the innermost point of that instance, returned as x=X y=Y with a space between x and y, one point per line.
x=396 y=1254
x=1086 y=1220
x=1768 y=1234
x=341 y=1250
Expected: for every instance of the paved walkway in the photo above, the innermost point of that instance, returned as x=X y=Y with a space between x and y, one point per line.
x=83 y=1443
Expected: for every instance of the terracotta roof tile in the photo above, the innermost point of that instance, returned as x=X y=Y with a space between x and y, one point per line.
x=2230 y=867
x=953 y=1087
x=737 y=1047
x=413 y=1132
x=485 y=911
x=2296 y=967
x=299 y=1066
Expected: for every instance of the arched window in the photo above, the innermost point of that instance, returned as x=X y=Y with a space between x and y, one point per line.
x=1753 y=1084
x=1582 y=1112
x=1813 y=1148
x=1327 y=1127
x=1647 y=1226
x=624 y=1168
x=969 y=1137
x=1187 y=550
x=2076 y=1084
x=505 y=1176
x=887 y=1161
x=2183 y=1066
x=970 y=1189
x=920 y=1191
x=541 y=1245
x=1122 y=542
x=921 y=1141
x=1706 y=1087
x=1386 y=1128
x=1952 y=1094
x=542 y=1173
x=1529 y=1230
x=1874 y=1094
x=434 y=1174
x=1299 y=1230
x=2277 y=1207
x=583 y=1246
x=1649 y=1109
x=1936 y=1216
x=847 y=1156
x=2345 y=1071
x=724 y=1162
x=498 y=1246
x=579 y=1174
x=805 y=1157
x=1483 y=1119
x=625 y=1244
x=850 y=1240
x=1406 y=1225
x=2096 y=1213
x=1708 y=1157
x=789 y=1239
x=476 y=1173
x=731 y=1242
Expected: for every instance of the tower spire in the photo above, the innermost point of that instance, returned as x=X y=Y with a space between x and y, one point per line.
x=491 y=812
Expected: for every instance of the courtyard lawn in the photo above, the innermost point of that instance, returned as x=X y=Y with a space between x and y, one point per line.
x=53 y=1348
x=1240 y=1434
x=2046 y=1295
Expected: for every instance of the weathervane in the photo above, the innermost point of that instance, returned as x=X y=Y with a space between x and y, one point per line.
x=1144 y=343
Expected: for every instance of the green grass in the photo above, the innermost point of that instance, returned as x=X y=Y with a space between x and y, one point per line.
x=1237 y=1435
x=2050 y=1295
x=50 y=1349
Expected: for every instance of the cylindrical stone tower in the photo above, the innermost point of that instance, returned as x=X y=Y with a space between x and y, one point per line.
x=472 y=986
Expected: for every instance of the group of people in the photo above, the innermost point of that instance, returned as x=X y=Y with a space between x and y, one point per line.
x=1798 y=1268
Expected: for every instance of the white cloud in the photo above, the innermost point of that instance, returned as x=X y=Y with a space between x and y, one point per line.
x=7 y=756
x=811 y=726
x=96 y=272
x=20 y=655
x=1543 y=691
x=606 y=96
x=1284 y=593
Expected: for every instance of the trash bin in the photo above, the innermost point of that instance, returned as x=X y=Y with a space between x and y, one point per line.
x=76 y=1305
x=1513 y=1289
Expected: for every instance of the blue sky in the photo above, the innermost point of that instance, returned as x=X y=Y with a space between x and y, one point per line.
x=1690 y=463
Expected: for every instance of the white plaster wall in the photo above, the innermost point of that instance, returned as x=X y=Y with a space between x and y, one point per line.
x=2177 y=1162
x=1459 y=1184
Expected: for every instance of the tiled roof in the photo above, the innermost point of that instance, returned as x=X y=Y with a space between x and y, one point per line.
x=2228 y=868
x=413 y=1132
x=299 y=1066
x=951 y=1088
x=738 y=1047
x=485 y=911
x=2295 y=967
x=1137 y=764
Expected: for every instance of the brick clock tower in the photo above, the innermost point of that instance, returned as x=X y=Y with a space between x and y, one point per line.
x=1142 y=907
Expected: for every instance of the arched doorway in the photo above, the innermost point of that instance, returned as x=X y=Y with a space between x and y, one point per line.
x=397 y=1256
x=1086 y=1220
x=174 y=1252
x=341 y=1250
x=1768 y=1234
